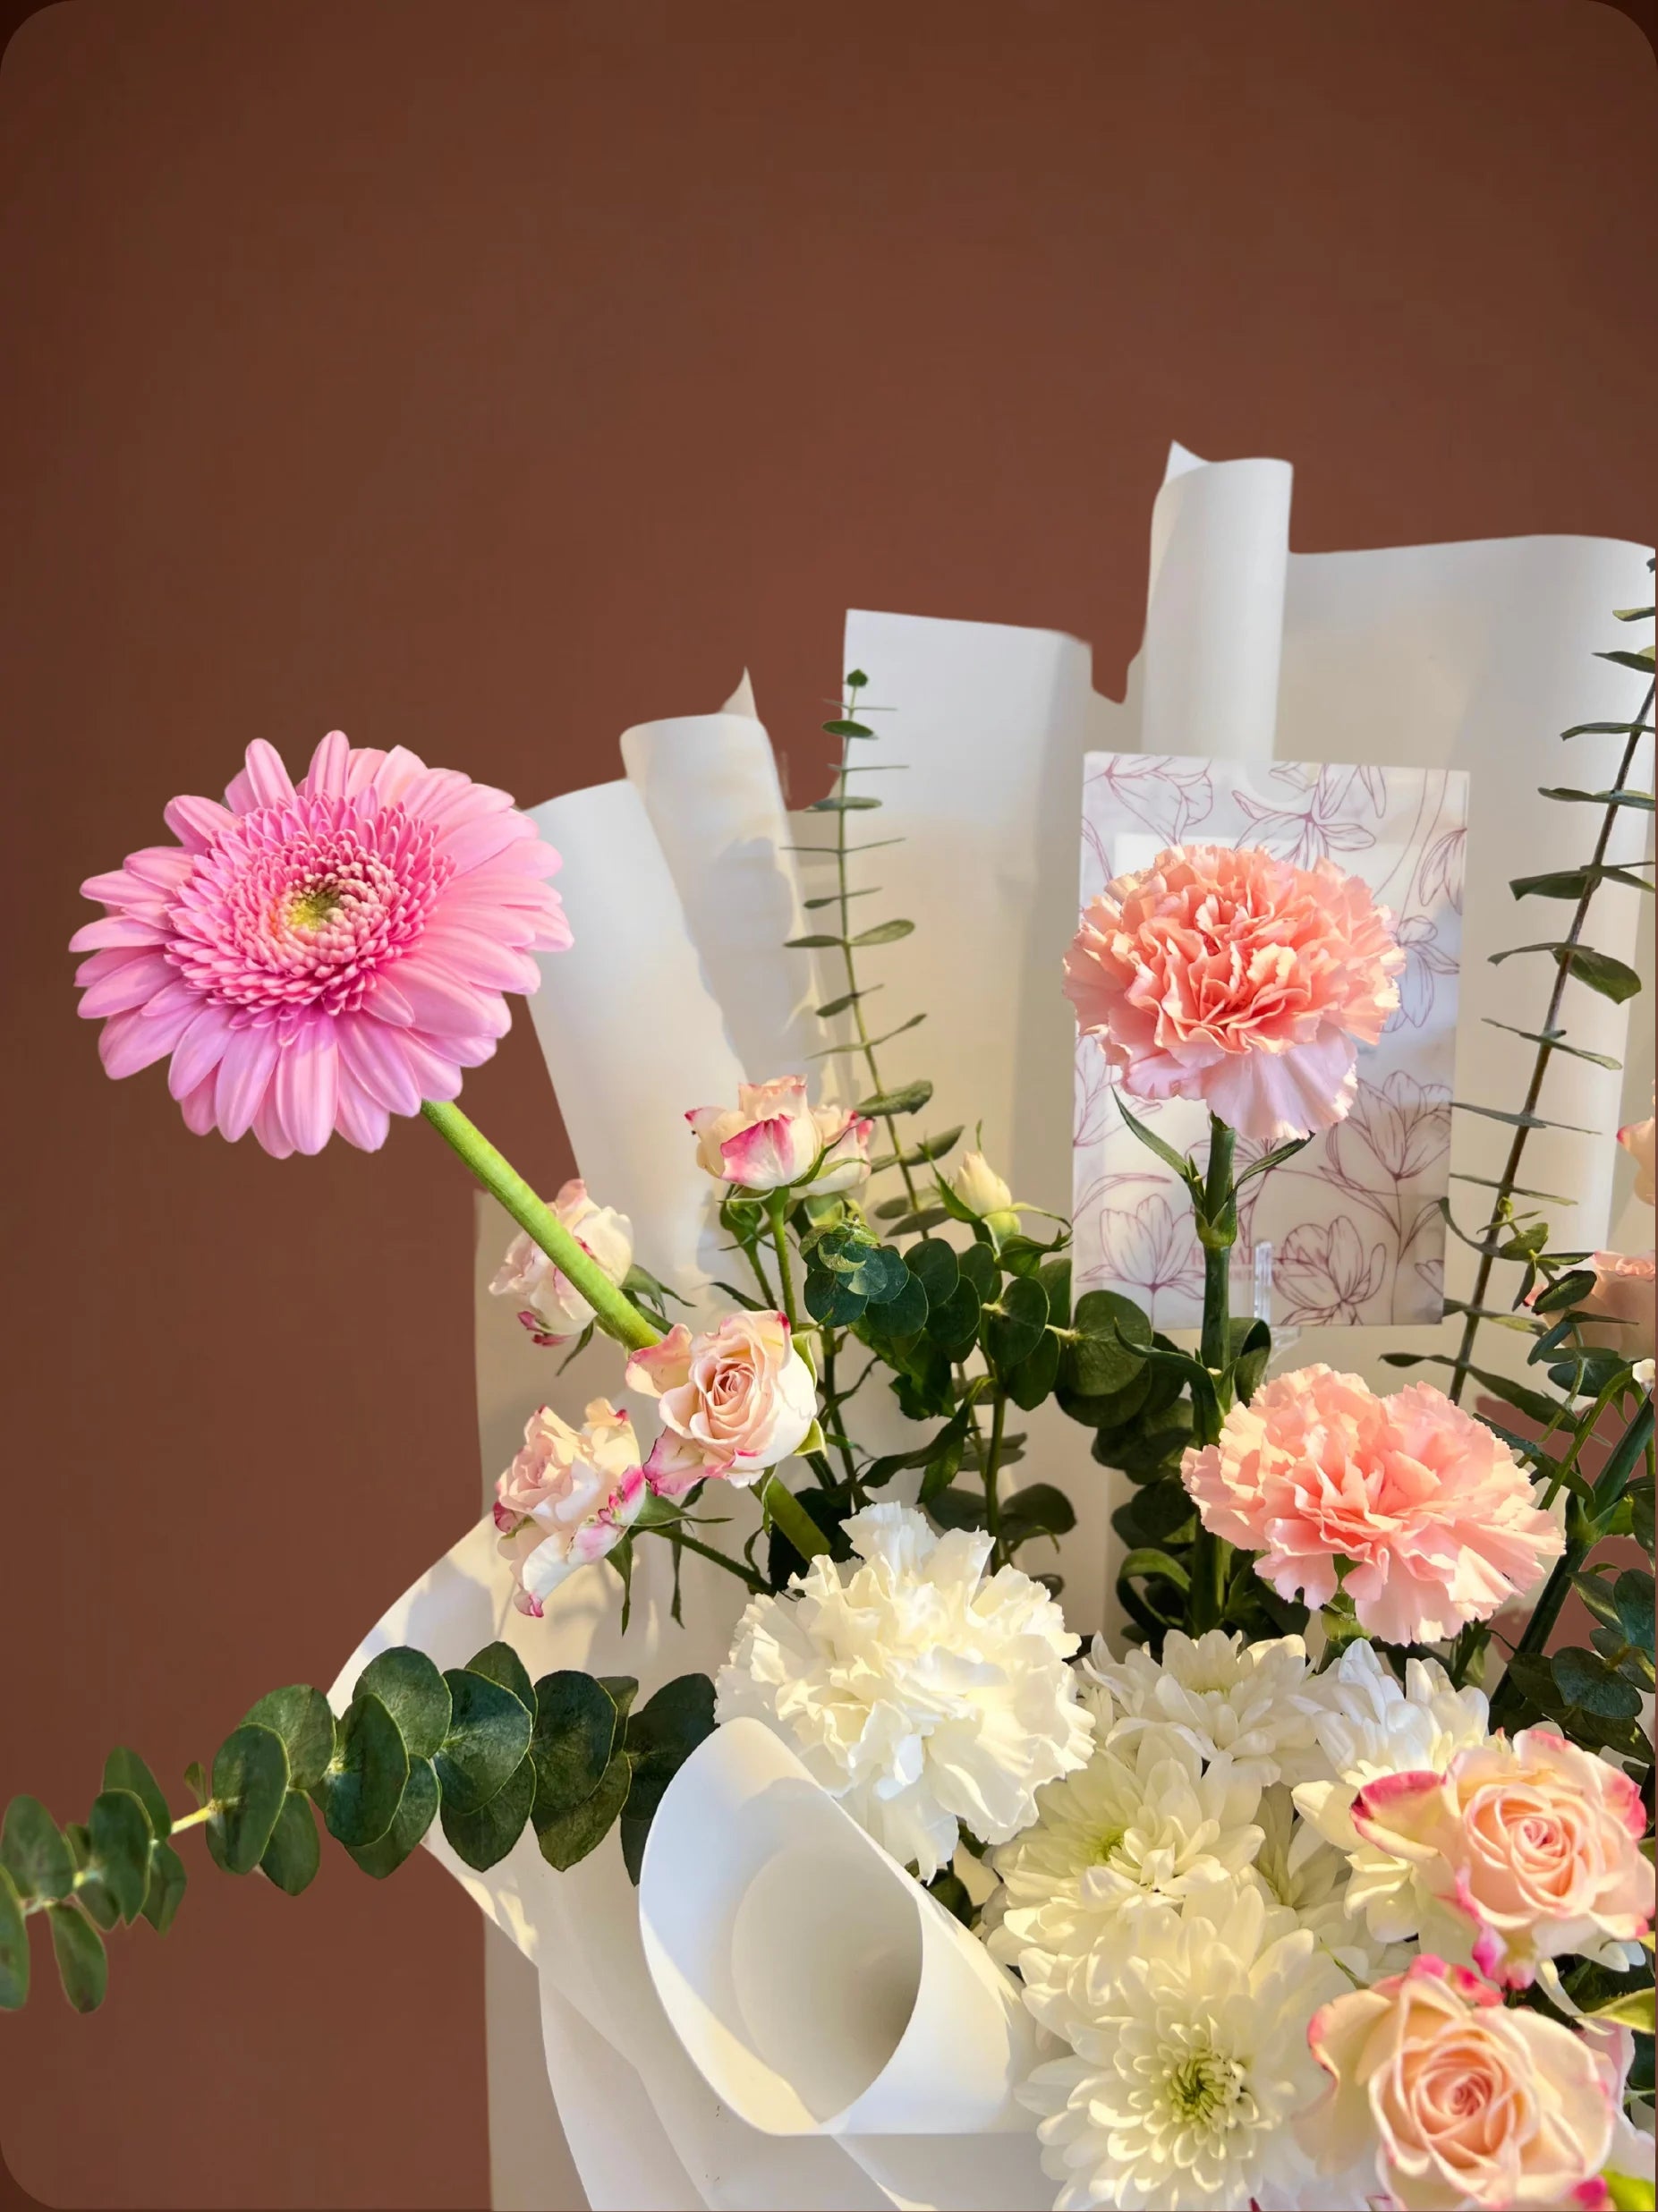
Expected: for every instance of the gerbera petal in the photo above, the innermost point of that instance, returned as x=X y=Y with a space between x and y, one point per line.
x=200 y=1050
x=330 y=765
x=264 y=778
x=472 y=842
x=396 y=773
x=361 y=1120
x=245 y=1075
x=116 y=929
x=267 y=1127
x=136 y=980
x=440 y=1000
x=306 y=1085
x=472 y=953
x=196 y=822
x=197 y=1107
x=127 y=1042
x=375 y=1056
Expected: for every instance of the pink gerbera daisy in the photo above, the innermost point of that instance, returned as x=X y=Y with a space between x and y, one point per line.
x=322 y=956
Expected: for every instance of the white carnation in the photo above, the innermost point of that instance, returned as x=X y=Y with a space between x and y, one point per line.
x=920 y=1693
x=1143 y=1818
x=1188 y=2058
x=1368 y=1725
x=1224 y=1695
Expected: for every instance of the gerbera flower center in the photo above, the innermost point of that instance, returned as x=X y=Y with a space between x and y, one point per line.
x=310 y=909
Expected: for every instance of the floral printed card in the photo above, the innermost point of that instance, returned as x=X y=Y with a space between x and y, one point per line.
x=1353 y=1220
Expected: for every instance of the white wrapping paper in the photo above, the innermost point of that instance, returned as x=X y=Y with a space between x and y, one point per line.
x=1469 y=656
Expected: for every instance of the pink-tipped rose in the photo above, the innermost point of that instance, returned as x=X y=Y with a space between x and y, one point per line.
x=1637 y=1139
x=1454 y=2100
x=773 y=1138
x=552 y=1308
x=733 y=1403
x=568 y=1498
x=1622 y=1303
x=1535 y=1844
x=1224 y=975
x=1431 y=1512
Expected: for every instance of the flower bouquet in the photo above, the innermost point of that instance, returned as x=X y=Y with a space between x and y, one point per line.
x=1318 y=1875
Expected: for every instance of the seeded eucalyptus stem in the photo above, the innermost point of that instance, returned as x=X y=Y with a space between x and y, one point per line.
x=1218 y=1232
x=616 y=1313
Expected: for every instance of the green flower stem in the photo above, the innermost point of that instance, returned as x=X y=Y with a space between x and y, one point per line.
x=617 y=1315
x=674 y=1530
x=1212 y=1557
x=791 y=1517
x=777 y=1214
x=993 y=1476
x=193 y=1820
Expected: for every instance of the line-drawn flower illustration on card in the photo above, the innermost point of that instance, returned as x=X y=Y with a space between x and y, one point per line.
x=1325 y=1274
x=1403 y=1125
x=1169 y=796
x=1327 y=823
x=1424 y=959
x=1152 y=1248
x=1440 y=877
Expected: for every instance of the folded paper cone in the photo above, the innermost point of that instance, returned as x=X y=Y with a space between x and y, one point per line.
x=817 y=1987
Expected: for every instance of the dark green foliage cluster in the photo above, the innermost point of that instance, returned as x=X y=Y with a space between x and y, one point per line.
x=480 y=1748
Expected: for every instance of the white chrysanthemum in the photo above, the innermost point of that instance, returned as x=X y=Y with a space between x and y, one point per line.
x=1224 y=1694
x=1297 y=1867
x=1142 y=1817
x=915 y=1689
x=1188 y=2058
x=1368 y=1725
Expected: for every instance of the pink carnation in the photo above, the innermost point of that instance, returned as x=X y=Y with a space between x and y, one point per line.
x=321 y=956
x=1451 y=2099
x=1536 y=1843
x=1433 y=1512
x=1224 y=975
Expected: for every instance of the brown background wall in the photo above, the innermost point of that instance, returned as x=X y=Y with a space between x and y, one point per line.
x=484 y=378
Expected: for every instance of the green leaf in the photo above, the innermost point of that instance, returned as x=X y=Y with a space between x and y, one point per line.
x=1584 y=1680
x=574 y=1735
x=1107 y=1409
x=1250 y=1365
x=958 y=1509
x=417 y=1809
x=842 y=803
x=926 y=1149
x=1178 y=1160
x=1641 y=662
x=884 y=933
x=1033 y=1379
x=167 y=1883
x=1610 y=978
x=125 y=1770
x=1556 y=1040
x=952 y=1323
x=1633 y=2009
x=1576 y=882
x=1109 y=1329
x=489 y=1736
x=816 y=942
x=249 y=1782
x=82 y=1962
x=408 y=1686
x=1514 y=1121
x=978 y=1266
x=1274 y=1159
x=498 y=1661
x=1604 y=730
x=485 y=1837
x=1641 y=800
x=14 y=1947
x=845 y=728
x=363 y=1785
x=621 y=1690
x=196 y=1781
x=839 y=1006
x=1013 y=1334
x=905 y=1313
x=1561 y=1295
x=1148 y=1561
x=661 y=1736
x=119 y=1835
x=1153 y=1514
x=302 y=1717
x=569 y=1836
x=33 y=1851
x=1530 y=1402
x=1641 y=1510
x=908 y=1100
x=295 y=1852
x=1042 y=1511
x=1632 y=1593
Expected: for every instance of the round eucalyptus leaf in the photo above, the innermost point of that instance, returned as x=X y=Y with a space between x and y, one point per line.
x=82 y=1962
x=167 y=1884
x=934 y=1265
x=1585 y=1680
x=905 y=1312
x=954 y=1322
x=294 y=1851
x=96 y=1902
x=250 y=1781
x=1013 y=1334
x=1034 y=1378
x=662 y=1735
x=621 y=1690
x=417 y=1809
x=489 y=1736
x=119 y=1831
x=978 y=1266
x=568 y=1834
x=34 y=1852
x=484 y=1837
x=14 y=1947
x=415 y=1694
x=575 y=1729
x=363 y=1783
x=499 y=1662
x=1099 y=1359
x=125 y=1770
x=302 y=1717
x=1632 y=1593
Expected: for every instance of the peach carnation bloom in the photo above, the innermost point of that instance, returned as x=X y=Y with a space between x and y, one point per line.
x=773 y=1136
x=569 y=1497
x=733 y=1403
x=1431 y=1512
x=1456 y=2100
x=1224 y=975
x=1535 y=1841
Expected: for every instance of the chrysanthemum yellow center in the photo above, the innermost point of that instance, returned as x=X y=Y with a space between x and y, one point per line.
x=308 y=909
x=1105 y=1846
x=1202 y=2087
